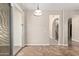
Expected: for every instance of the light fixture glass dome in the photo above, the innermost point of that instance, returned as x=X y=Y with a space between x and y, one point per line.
x=38 y=12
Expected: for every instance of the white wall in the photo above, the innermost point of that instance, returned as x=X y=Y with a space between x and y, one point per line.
x=37 y=28
x=75 y=28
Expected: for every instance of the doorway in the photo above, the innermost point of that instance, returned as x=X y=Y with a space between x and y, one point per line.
x=54 y=29
x=70 y=32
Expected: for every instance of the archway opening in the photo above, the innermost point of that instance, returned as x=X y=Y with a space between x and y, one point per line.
x=54 y=29
x=70 y=32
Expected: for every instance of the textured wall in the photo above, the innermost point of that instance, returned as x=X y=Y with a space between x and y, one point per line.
x=4 y=25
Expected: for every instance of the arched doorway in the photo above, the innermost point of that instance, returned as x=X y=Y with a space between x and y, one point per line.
x=55 y=29
x=70 y=32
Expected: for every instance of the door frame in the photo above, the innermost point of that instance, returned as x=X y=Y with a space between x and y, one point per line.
x=14 y=5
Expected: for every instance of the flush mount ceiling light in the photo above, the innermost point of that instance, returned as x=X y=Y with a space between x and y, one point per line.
x=37 y=12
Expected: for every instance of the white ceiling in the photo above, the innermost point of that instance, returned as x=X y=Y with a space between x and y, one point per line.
x=51 y=6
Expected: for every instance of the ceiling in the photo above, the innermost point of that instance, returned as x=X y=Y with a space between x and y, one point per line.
x=51 y=6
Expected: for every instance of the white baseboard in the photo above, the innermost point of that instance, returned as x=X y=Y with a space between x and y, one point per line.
x=53 y=44
x=37 y=44
x=76 y=40
x=45 y=44
x=63 y=44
